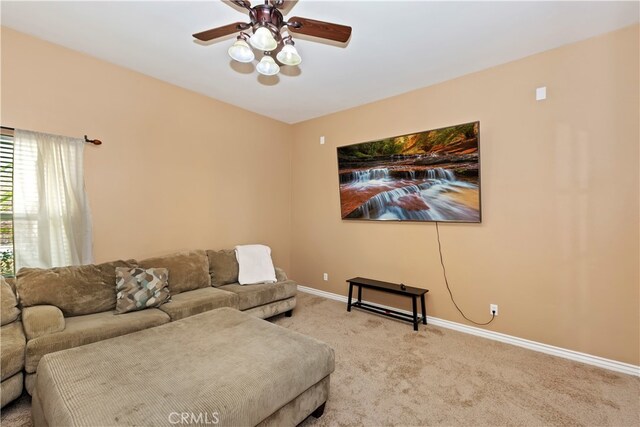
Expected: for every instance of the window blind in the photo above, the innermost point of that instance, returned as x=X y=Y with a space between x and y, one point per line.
x=6 y=205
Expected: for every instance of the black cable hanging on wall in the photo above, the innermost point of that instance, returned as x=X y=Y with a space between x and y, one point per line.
x=446 y=281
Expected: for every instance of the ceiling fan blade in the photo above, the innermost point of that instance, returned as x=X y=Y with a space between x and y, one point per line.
x=215 y=33
x=242 y=3
x=283 y=4
x=324 y=30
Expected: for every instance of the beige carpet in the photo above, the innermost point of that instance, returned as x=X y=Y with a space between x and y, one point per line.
x=386 y=374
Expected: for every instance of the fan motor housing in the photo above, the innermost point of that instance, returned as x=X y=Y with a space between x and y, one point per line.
x=266 y=15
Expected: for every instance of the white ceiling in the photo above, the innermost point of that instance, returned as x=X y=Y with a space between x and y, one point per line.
x=395 y=47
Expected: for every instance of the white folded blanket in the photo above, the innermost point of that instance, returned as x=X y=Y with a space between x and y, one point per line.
x=255 y=264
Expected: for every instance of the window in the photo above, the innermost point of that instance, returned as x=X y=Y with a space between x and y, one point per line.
x=6 y=203
x=51 y=219
x=44 y=210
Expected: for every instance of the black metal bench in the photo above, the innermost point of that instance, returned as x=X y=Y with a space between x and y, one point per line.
x=394 y=288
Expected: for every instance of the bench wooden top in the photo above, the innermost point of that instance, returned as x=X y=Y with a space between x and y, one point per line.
x=388 y=286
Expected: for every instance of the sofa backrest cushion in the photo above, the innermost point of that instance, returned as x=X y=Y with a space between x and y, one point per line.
x=9 y=311
x=187 y=270
x=12 y=283
x=223 y=267
x=75 y=290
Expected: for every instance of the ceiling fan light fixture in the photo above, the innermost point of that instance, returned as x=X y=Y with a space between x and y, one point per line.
x=267 y=66
x=289 y=55
x=241 y=52
x=263 y=40
x=267 y=23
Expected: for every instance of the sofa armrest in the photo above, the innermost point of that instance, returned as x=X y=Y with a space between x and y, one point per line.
x=281 y=276
x=42 y=320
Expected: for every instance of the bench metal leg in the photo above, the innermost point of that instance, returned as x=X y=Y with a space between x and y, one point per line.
x=350 y=294
x=424 y=310
x=415 y=313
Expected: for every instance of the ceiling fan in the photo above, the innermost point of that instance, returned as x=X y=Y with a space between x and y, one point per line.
x=266 y=24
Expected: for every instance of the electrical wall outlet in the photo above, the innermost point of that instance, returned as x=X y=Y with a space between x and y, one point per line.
x=325 y=276
x=321 y=140
x=493 y=309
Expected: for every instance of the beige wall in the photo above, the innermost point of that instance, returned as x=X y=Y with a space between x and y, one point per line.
x=177 y=170
x=558 y=245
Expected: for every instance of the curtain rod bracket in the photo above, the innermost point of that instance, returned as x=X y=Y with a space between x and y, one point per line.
x=92 y=141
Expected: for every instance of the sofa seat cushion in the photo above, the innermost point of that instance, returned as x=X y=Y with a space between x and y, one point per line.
x=222 y=361
x=198 y=301
x=250 y=296
x=90 y=328
x=12 y=343
x=272 y=309
x=11 y=389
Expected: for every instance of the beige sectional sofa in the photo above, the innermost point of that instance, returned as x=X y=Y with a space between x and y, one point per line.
x=12 y=344
x=68 y=307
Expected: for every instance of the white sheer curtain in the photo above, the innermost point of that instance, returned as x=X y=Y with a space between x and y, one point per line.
x=51 y=219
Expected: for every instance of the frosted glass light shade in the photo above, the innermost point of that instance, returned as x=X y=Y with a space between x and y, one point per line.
x=289 y=55
x=267 y=66
x=263 y=40
x=241 y=52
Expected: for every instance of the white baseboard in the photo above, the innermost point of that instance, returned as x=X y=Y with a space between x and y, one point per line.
x=601 y=362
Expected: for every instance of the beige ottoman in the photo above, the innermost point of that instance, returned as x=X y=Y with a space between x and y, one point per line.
x=221 y=367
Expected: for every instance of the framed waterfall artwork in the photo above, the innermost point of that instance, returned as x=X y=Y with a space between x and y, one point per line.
x=427 y=176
